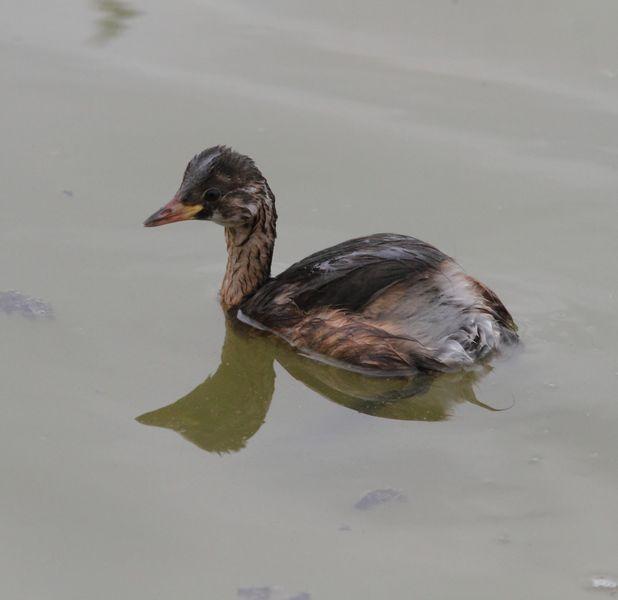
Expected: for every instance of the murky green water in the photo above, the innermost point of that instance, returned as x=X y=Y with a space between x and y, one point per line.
x=488 y=129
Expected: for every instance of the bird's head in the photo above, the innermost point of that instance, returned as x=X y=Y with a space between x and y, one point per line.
x=219 y=185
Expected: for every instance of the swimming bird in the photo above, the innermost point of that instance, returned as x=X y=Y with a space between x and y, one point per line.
x=384 y=304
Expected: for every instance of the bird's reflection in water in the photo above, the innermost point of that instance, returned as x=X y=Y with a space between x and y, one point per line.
x=228 y=408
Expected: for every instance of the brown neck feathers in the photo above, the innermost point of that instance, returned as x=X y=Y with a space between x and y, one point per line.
x=249 y=254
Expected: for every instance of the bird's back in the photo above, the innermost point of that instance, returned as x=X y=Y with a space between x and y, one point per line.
x=385 y=302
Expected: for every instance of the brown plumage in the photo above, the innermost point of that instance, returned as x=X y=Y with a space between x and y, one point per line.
x=383 y=304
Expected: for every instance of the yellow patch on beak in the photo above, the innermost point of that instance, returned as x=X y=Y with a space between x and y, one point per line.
x=173 y=211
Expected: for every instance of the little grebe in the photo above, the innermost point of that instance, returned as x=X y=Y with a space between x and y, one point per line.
x=384 y=304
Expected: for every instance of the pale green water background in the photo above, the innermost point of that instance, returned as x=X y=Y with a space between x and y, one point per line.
x=487 y=128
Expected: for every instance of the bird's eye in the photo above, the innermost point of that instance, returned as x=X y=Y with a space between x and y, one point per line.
x=211 y=194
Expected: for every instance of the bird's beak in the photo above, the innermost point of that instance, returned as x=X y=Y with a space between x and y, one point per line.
x=173 y=211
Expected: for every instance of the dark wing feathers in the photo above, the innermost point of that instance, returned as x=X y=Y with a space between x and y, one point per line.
x=353 y=289
x=345 y=276
x=373 y=248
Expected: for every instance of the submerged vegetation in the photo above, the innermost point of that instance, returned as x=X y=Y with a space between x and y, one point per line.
x=113 y=19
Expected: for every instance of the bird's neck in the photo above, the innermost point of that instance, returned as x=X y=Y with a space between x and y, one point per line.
x=249 y=254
